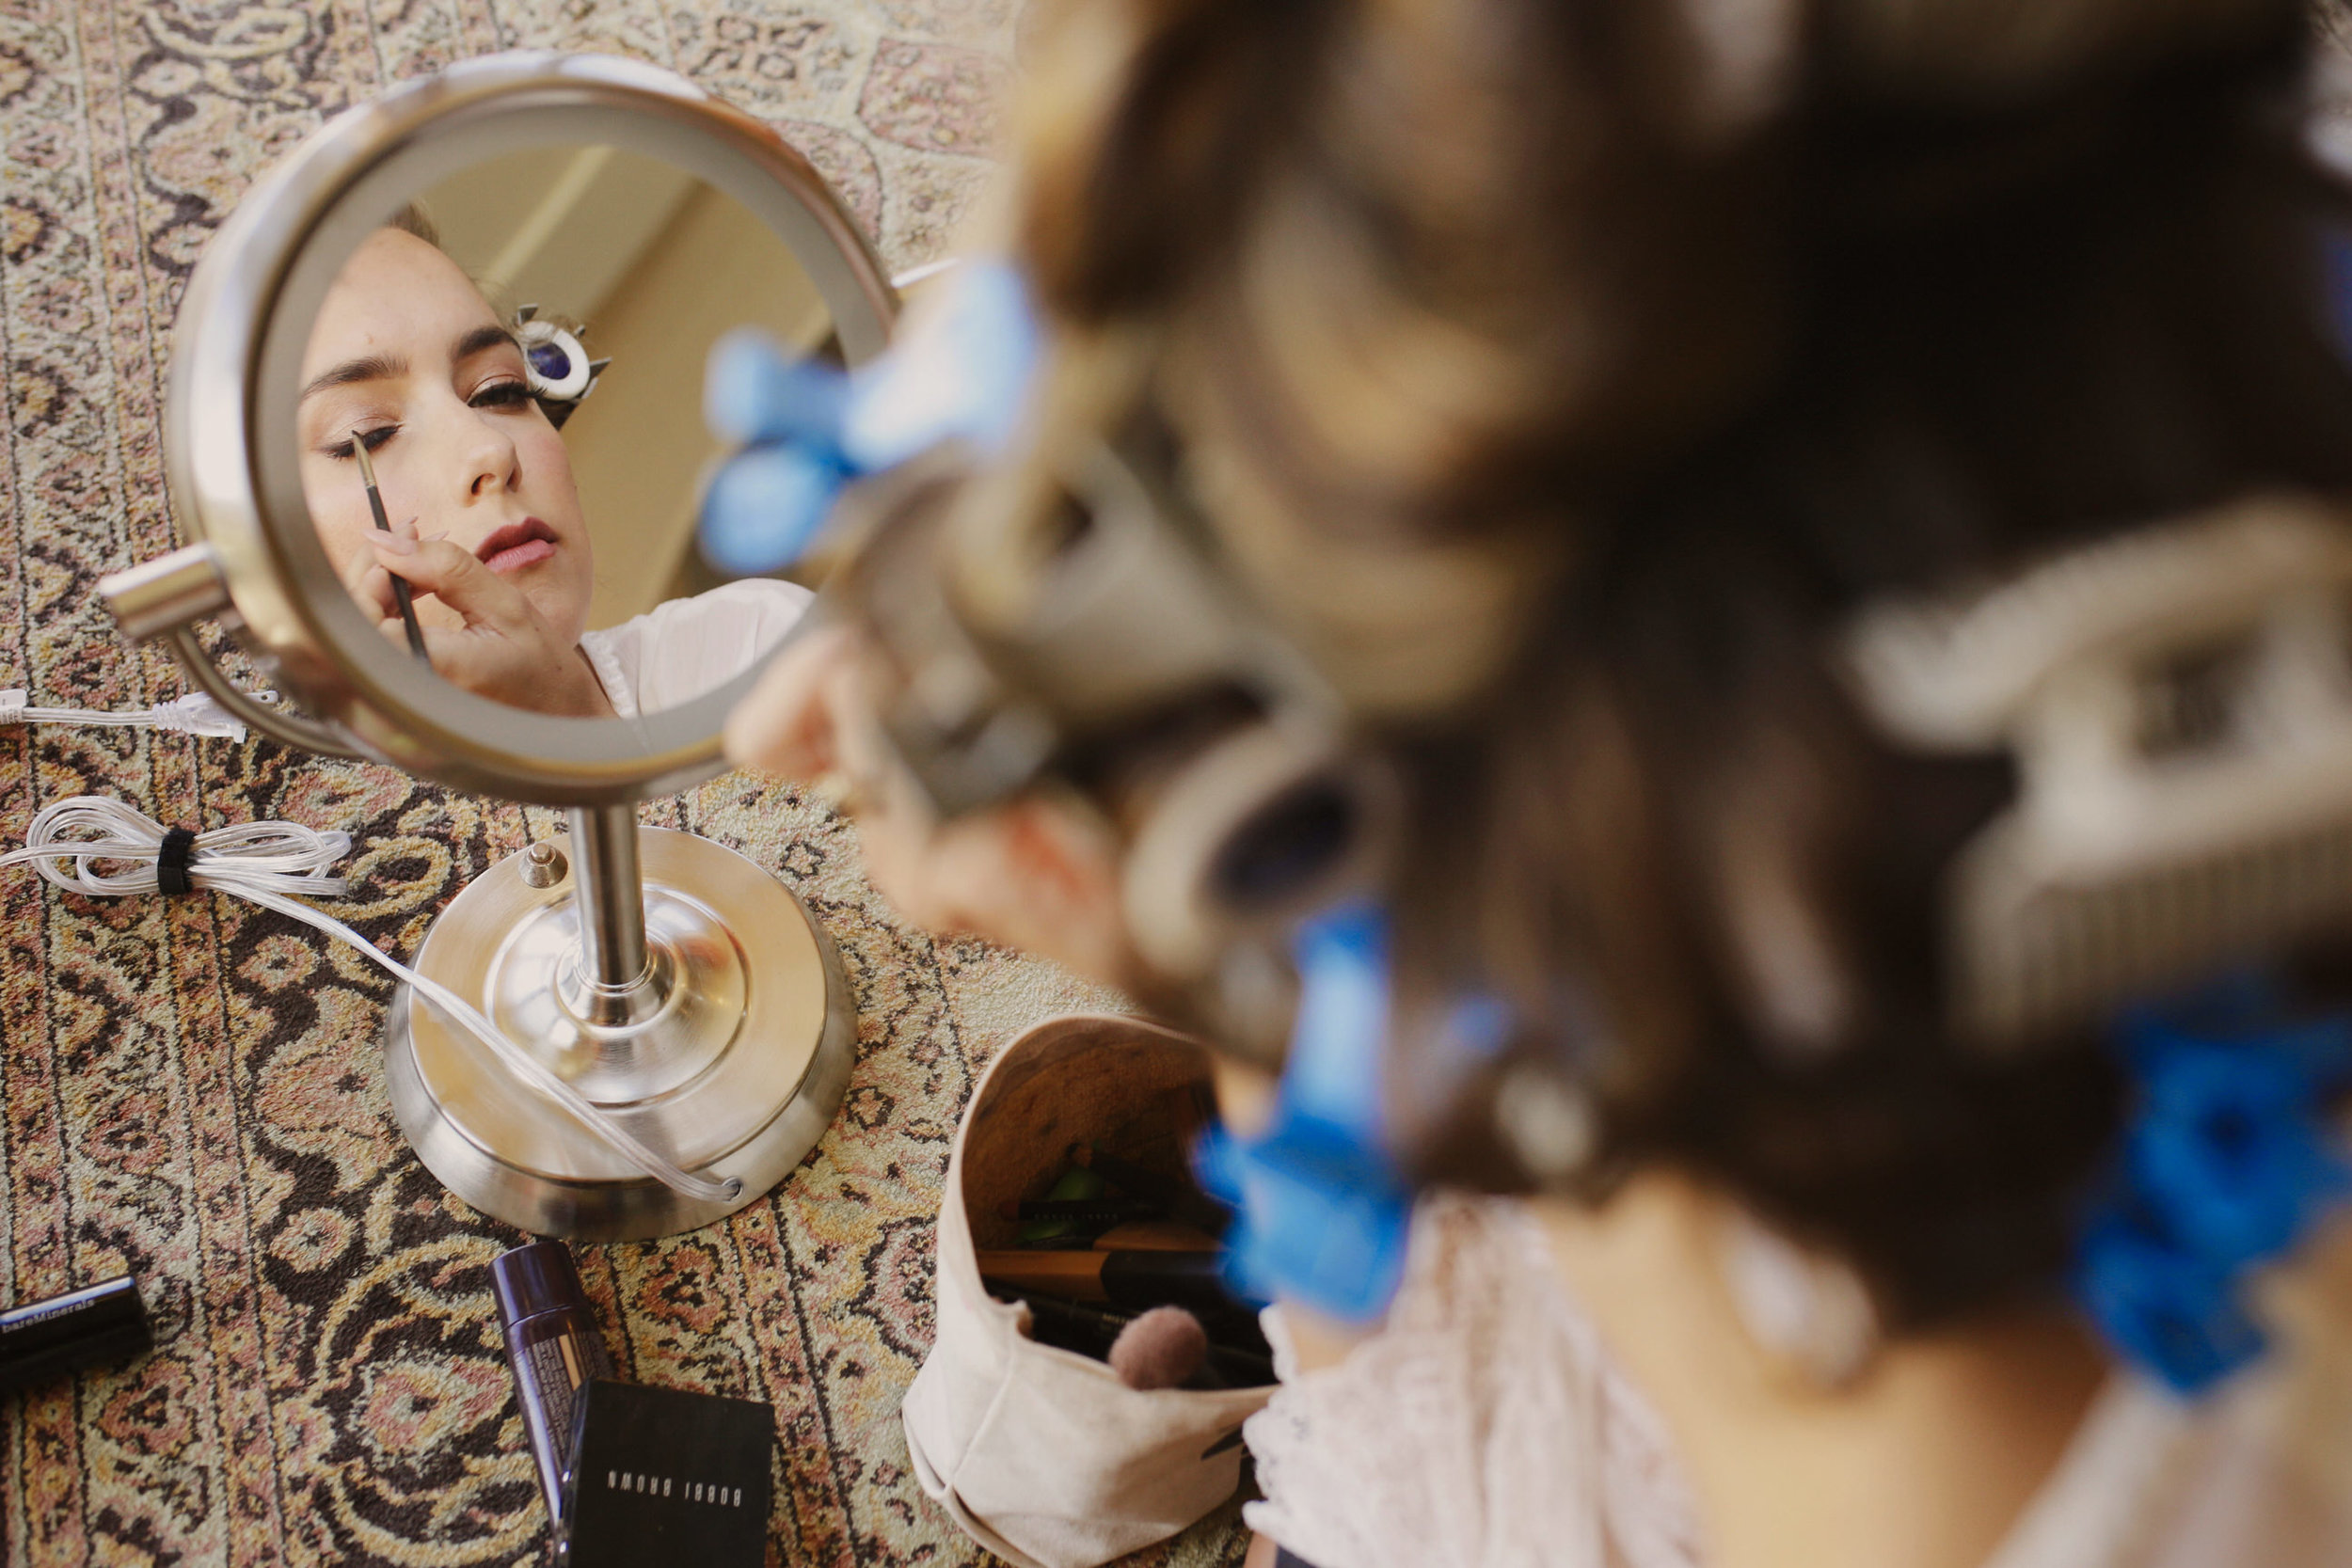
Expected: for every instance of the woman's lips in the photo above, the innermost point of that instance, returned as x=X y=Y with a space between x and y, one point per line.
x=517 y=547
x=520 y=556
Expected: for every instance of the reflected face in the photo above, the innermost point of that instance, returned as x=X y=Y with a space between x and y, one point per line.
x=408 y=355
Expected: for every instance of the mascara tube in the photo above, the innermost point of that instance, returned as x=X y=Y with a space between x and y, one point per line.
x=553 y=1346
x=44 y=1339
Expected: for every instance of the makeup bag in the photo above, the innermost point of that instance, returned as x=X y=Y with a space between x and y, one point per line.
x=1042 y=1454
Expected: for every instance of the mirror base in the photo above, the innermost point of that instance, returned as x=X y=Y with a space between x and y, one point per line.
x=738 y=1075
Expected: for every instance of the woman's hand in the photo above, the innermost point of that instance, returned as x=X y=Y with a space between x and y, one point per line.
x=504 y=650
x=1039 y=872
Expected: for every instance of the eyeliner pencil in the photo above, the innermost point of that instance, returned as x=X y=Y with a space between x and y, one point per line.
x=400 y=589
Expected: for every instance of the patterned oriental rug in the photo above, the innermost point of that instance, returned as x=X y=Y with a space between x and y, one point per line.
x=192 y=1087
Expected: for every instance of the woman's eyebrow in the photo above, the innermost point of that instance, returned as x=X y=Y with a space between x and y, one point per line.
x=373 y=367
x=472 y=343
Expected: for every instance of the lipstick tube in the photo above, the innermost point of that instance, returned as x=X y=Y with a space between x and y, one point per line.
x=554 y=1348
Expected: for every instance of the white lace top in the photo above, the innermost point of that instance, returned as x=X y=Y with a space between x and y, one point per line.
x=681 y=649
x=1484 y=1428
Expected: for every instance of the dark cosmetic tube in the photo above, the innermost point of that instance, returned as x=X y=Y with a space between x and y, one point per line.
x=1109 y=1211
x=44 y=1339
x=553 y=1346
x=1177 y=1197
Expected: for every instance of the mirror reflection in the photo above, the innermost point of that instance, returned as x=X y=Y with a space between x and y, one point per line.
x=515 y=359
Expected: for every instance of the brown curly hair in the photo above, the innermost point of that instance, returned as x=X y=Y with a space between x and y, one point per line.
x=1563 y=373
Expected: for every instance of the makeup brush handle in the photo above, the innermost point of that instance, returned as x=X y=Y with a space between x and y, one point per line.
x=401 y=596
x=1132 y=1280
x=407 y=603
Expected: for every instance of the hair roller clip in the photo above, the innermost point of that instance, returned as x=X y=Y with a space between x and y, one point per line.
x=2179 y=701
x=555 y=366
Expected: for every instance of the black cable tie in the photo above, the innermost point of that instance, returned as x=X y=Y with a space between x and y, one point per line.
x=171 y=862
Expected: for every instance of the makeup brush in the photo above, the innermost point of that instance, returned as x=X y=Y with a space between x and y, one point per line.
x=1128 y=1281
x=1164 y=1346
x=400 y=589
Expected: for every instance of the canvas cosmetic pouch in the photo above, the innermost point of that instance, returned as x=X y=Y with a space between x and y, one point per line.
x=1044 y=1455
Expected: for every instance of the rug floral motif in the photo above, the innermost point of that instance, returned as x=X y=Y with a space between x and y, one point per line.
x=191 y=1089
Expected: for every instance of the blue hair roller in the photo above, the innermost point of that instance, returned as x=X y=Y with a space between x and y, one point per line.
x=1323 y=1211
x=963 y=373
x=2227 y=1163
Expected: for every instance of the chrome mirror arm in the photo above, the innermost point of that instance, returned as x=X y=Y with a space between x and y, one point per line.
x=287 y=728
x=160 y=601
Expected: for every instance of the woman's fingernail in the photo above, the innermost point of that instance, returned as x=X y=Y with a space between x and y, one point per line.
x=431 y=538
x=392 y=544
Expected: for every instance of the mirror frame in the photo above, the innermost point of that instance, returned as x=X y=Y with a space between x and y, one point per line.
x=245 y=322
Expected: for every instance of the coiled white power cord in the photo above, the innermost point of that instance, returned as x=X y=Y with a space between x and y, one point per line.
x=267 y=864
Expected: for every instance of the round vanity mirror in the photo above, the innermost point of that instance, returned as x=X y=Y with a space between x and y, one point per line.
x=434 y=428
x=507 y=374
x=644 y=220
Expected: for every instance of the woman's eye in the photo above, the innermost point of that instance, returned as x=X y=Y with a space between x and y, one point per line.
x=499 y=394
x=375 y=439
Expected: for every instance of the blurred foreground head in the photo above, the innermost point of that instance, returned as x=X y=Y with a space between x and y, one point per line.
x=1566 y=376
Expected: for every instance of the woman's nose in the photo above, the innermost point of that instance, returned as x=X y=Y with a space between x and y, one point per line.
x=490 y=460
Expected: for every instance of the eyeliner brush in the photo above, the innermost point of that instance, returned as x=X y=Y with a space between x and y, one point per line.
x=400 y=589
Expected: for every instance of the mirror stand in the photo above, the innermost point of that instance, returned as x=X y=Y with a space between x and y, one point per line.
x=672 y=982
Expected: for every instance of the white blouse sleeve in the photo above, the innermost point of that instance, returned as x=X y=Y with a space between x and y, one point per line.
x=680 y=650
